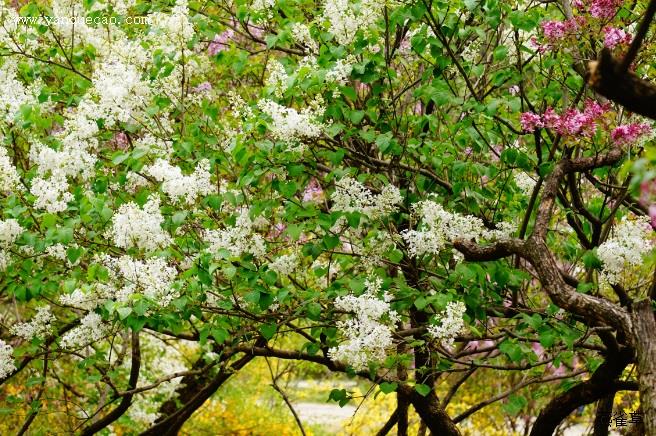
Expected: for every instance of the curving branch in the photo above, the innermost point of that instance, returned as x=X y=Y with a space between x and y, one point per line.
x=602 y=383
x=126 y=401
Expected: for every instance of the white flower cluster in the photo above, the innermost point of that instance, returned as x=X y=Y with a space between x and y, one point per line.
x=51 y=194
x=175 y=27
x=276 y=78
x=9 y=179
x=341 y=71
x=524 y=182
x=290 y=126
x=368 y=335
x=264 y=6
x=141 y=228
x=442 y=227
x=91 y=329
x=10 y=230
x=6 y=360
x=451 y=323
x=284 y=265
x=302 y=36
x=178 y=186
x=152 y=278
x=38 y=326
x=346 y=17
x=14 y=94
x=625 y=249
x=120 y=91
x=81 y=299
x=352 y=196
x=238 y=239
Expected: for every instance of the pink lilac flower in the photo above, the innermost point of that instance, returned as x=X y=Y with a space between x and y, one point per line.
x=530 y=121
x=614 y=36
x=652 y=215
x=202 y=87
x=604 y=8
x=120 y=140
x=628 y=133
x=418 y=110
x=220 y=42
x=647 y=191
x=313 y=191
x=468 y=151
x=257 y=32
x=514 y=90
x=535 y=44
x=277 y=230
x=550 y=118
x=572 y=122
x=554 y=30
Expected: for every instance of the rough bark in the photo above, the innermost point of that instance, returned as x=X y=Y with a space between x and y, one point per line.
x=428 y=408
x=191 y=396
x=644 y=329
x=602 y=383
x=625 y=88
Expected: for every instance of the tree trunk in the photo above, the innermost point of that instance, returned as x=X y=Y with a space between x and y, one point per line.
x=644 y=330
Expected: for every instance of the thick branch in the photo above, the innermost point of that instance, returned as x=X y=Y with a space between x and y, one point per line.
x=624 y=88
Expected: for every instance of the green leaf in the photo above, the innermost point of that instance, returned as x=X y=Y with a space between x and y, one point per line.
x=124 y=312
x=387 y=388
x=268 y=330
x=422 y=389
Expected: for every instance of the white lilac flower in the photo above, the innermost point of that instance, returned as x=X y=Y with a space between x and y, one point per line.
x=301 y=35
x=347 y=17
x=133 y=226
x=38 y=326
x=14 y=94
x=6 y=360
x=152 y=278
x=9 y=179
x=341 y=71
x=450 y=325
x=238 y=239
x=178 y=186
x=524 y=182
x=10 y=230
x=368 y=334
x=625 y=249
x=441 y=227
x=352 y=196
x=92 y=328
x=284 y=265
x=276 y=78
x=290 y=126
x=51 y=194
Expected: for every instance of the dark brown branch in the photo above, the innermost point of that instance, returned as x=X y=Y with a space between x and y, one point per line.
x=627 y=89
x=126 y=400
x=391 y=422
x=601 y=383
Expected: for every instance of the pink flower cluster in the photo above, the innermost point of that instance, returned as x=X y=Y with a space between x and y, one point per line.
x=556 y=30
x=604 y=8
x=572 y=122
x=628 y=133
x=647 y=195
x=220 y=42
x=313 y=191
x=614 y=36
